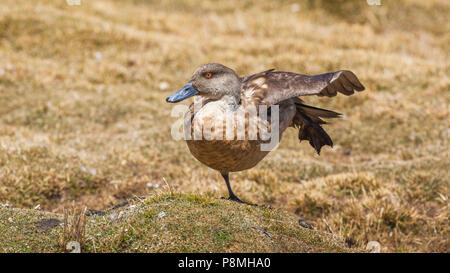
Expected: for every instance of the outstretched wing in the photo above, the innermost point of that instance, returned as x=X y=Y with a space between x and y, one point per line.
x=271 y=87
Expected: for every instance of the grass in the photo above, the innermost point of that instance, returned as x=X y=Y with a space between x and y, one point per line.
x=166 y=223
x=83 y=119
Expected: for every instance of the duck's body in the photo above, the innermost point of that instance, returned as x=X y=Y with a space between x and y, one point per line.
x=231 y=154
x=225 y=128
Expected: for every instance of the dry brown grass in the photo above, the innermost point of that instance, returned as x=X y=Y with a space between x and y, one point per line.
x=74 y=228
x=96 y=131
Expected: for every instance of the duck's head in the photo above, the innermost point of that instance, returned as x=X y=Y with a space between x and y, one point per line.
x=213 y=81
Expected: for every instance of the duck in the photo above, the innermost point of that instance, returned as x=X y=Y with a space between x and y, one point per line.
x=234 y=121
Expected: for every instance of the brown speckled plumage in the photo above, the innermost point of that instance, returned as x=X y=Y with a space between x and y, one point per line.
x=231 y=155
x=228 y=95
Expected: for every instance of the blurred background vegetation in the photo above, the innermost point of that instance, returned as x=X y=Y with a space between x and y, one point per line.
x=83 y=117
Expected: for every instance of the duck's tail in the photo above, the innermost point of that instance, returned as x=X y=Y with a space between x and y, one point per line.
x=308 y=119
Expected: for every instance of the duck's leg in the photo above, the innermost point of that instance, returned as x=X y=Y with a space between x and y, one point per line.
x=232 y=196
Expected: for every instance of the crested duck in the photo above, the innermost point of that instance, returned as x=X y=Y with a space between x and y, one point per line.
x=227 y=97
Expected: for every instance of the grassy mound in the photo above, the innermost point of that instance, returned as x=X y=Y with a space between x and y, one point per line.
x=165 y=223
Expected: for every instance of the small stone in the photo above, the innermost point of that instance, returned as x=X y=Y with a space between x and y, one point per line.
x=295 y=7
x=112 y=217
x=93 y=212
x=303 y=223
x=98 y=56
x=374 y=247
x=163 y=85
x=347 y=152
x=73 y=247
x=161 y=214
x=121 y=214
x=149 y=184
x=10 y=219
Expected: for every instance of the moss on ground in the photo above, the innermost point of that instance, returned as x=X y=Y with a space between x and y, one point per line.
x=169 y=223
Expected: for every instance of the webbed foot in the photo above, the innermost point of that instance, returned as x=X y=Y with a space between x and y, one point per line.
x=236 y=199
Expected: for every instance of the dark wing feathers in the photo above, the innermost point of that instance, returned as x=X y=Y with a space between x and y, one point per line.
x=314 y=113
x=247 y=78
x=342 y=81
x=270 y=87
x=308 y=120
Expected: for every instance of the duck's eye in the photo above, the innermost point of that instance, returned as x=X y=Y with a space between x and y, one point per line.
x=208 y=75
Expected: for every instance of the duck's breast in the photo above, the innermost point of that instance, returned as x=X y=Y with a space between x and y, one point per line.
x=230 y=140
x=214 y=141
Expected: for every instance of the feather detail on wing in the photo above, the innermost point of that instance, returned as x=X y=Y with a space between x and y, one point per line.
x=270 y=87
